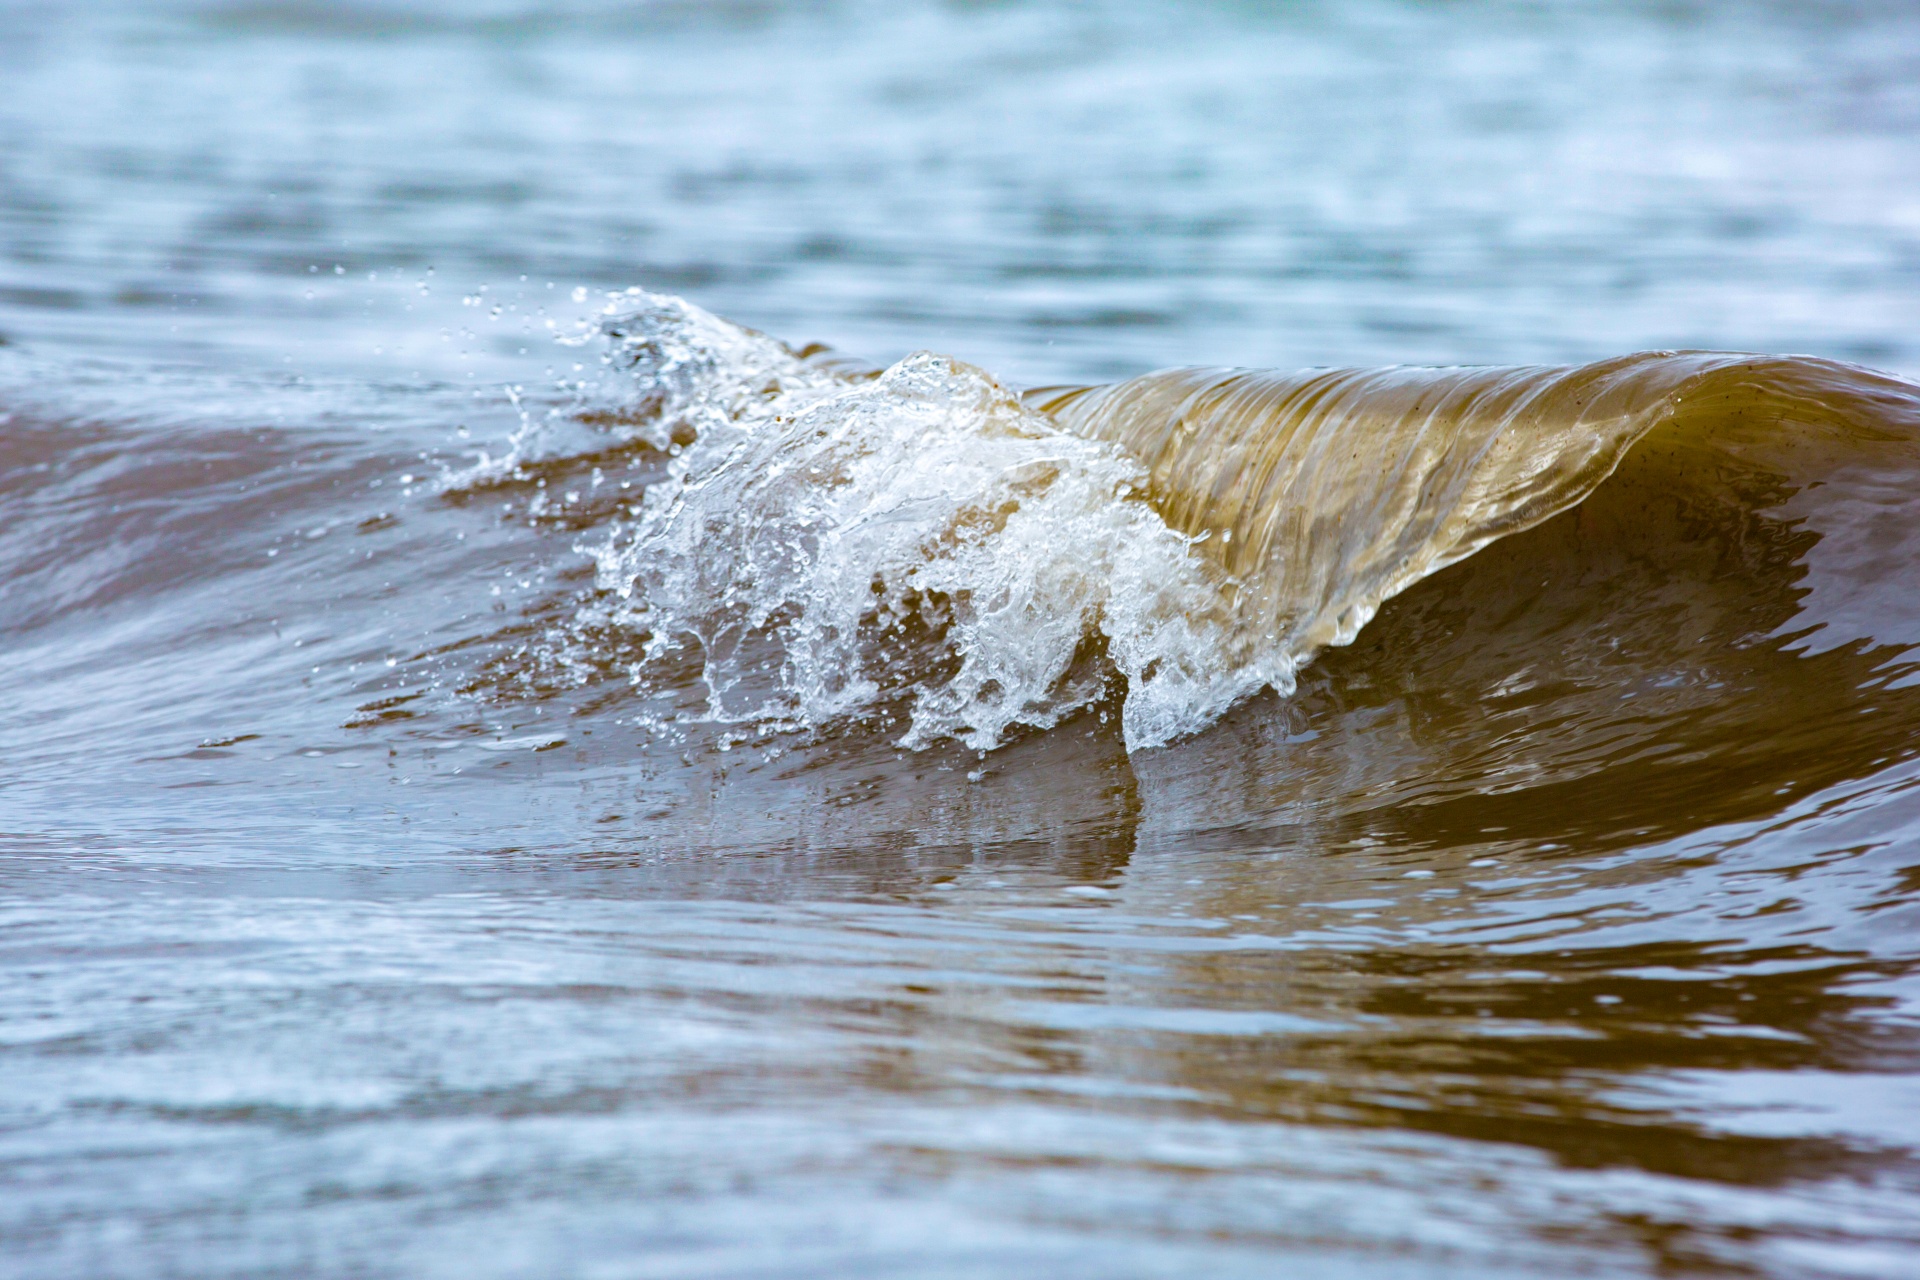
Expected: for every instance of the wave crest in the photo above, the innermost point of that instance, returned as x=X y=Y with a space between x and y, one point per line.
x=919 y=546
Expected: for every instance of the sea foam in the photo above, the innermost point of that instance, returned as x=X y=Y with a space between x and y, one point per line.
x=917 y=545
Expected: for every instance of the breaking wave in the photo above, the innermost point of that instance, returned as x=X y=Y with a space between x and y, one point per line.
x=925 y=549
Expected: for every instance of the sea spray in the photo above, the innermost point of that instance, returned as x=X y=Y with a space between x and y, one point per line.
x=919 y=544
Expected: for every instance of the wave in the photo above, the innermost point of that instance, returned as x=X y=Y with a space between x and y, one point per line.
x=924 y=549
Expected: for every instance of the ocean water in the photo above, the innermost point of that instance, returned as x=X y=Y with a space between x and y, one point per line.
x=967 y=639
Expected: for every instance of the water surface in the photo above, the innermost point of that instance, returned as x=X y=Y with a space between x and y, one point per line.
x=463 y=811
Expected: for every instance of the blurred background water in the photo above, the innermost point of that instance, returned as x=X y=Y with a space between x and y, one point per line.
x=1055 y=191
x=333 y=941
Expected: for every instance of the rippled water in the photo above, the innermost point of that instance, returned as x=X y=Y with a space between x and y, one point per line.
x=666 y=803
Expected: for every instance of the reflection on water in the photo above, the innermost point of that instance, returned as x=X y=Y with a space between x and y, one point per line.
x=360 y=915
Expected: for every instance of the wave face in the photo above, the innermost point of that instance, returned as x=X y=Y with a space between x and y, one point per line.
x=921 y=546
x=1328 y=491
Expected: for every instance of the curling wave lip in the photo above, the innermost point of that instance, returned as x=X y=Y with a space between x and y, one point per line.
x=1331 y=490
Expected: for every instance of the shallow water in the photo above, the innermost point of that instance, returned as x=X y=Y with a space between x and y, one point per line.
x=467 y=810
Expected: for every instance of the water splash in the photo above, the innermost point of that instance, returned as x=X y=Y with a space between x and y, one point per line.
x=918 y=545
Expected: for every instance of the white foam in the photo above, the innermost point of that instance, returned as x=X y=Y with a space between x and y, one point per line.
x=920 y=543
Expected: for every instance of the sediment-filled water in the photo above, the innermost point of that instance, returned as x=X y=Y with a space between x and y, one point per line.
x=1025 y=639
